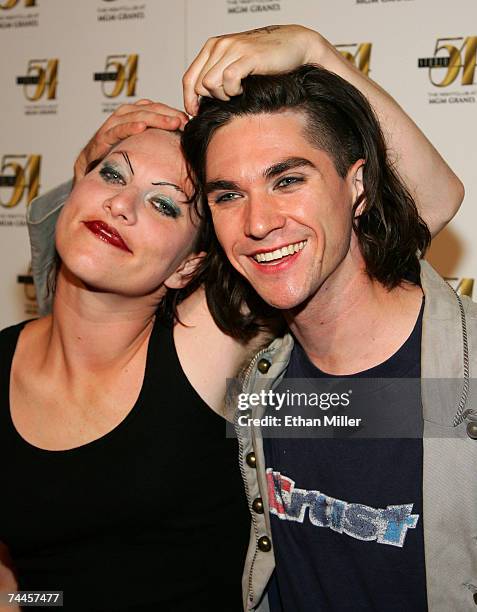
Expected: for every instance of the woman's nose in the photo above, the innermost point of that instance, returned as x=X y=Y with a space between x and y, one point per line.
x=122 y=206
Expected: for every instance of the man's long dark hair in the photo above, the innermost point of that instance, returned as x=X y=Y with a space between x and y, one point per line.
x=340 y=121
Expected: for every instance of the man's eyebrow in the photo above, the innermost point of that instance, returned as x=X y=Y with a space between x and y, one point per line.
x=286 y=165
x=211 y=186
x=278 y=168
x=166 y=184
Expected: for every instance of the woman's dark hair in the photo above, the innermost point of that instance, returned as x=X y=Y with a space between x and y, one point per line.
x=340 y=121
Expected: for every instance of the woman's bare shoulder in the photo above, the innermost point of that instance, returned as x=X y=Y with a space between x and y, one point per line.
x=209 y=356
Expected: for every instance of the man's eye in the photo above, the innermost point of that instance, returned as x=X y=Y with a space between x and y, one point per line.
x=111 y=175
x=226 y=197
x=166 y=207
x=286 y=181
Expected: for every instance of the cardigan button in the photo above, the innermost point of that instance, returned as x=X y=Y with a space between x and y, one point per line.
x=263 y=366
x=251 y=460
x=472 y=431
x=257 y=505
x=265 y=544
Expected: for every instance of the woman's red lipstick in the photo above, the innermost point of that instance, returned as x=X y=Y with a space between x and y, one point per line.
x=106 y=233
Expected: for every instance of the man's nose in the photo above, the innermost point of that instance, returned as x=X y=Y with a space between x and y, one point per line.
x=123 y=206
x=263 y=215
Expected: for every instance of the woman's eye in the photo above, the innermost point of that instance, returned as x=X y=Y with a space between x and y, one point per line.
x=166 y=207
x=111 y=175
x=286 y=181
x=226 y=197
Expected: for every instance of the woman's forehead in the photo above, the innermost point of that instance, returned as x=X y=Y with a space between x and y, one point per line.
x=152 y=138
x=154 y=149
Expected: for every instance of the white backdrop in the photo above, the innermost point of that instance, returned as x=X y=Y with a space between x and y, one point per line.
x=66 y=64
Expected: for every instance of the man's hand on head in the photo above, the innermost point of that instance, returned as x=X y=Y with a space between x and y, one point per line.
x=225 y=60
x=127 y=120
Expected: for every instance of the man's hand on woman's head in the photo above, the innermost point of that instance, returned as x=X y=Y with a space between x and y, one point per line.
x=225 y=60
x=127 y=120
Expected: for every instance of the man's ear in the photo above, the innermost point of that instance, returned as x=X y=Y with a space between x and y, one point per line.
x=356 y=175
x=184 y=273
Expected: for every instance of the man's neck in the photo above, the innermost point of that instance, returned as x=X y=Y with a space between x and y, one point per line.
x=348 y=327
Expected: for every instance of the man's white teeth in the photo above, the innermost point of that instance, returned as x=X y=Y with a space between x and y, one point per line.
x=279 y=253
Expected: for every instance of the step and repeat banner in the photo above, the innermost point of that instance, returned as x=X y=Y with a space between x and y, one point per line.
x=65 y=65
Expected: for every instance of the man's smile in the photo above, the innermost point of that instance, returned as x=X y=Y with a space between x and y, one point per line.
x=279 y=253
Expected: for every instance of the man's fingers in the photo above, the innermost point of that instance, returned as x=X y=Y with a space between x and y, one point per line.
x=218 y=70
x=191 y=75
x=152 y=119
x=153 y=107
x=136 y=122
x=123 y=110
x=118 y=133
x=156 y=120
x=233 y=74
x=224 y=78
x=164 y=109
x=211 y=80
x=202 y=88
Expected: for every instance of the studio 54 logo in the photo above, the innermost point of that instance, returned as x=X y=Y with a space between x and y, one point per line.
x=108 y=12
x=451 y=70
x=19 y=184
x=40 y=84
x=239 y=7
x=17 y=13
x=359 y=54
x=118 y=80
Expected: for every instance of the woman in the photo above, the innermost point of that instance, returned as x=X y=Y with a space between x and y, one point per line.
x=122 y=481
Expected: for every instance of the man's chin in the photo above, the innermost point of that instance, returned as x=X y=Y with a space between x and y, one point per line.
x=285 y=301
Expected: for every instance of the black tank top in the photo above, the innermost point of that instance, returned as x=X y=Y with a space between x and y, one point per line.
x=151 y=516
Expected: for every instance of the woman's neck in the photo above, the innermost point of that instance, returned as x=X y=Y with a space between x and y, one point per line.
x=95 y=331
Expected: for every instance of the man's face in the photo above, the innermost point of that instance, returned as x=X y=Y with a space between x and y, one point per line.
x=280 y=210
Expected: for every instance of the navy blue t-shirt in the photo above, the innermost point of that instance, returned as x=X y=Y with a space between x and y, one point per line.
x=346 y=513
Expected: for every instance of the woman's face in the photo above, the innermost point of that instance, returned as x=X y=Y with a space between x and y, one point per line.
x=127 y=227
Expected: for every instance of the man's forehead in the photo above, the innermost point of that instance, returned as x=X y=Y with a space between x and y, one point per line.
x=274 y=147
x=262 y=124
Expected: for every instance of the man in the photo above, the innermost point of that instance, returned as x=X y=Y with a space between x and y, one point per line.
x=308 y=209
x=310 y=236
